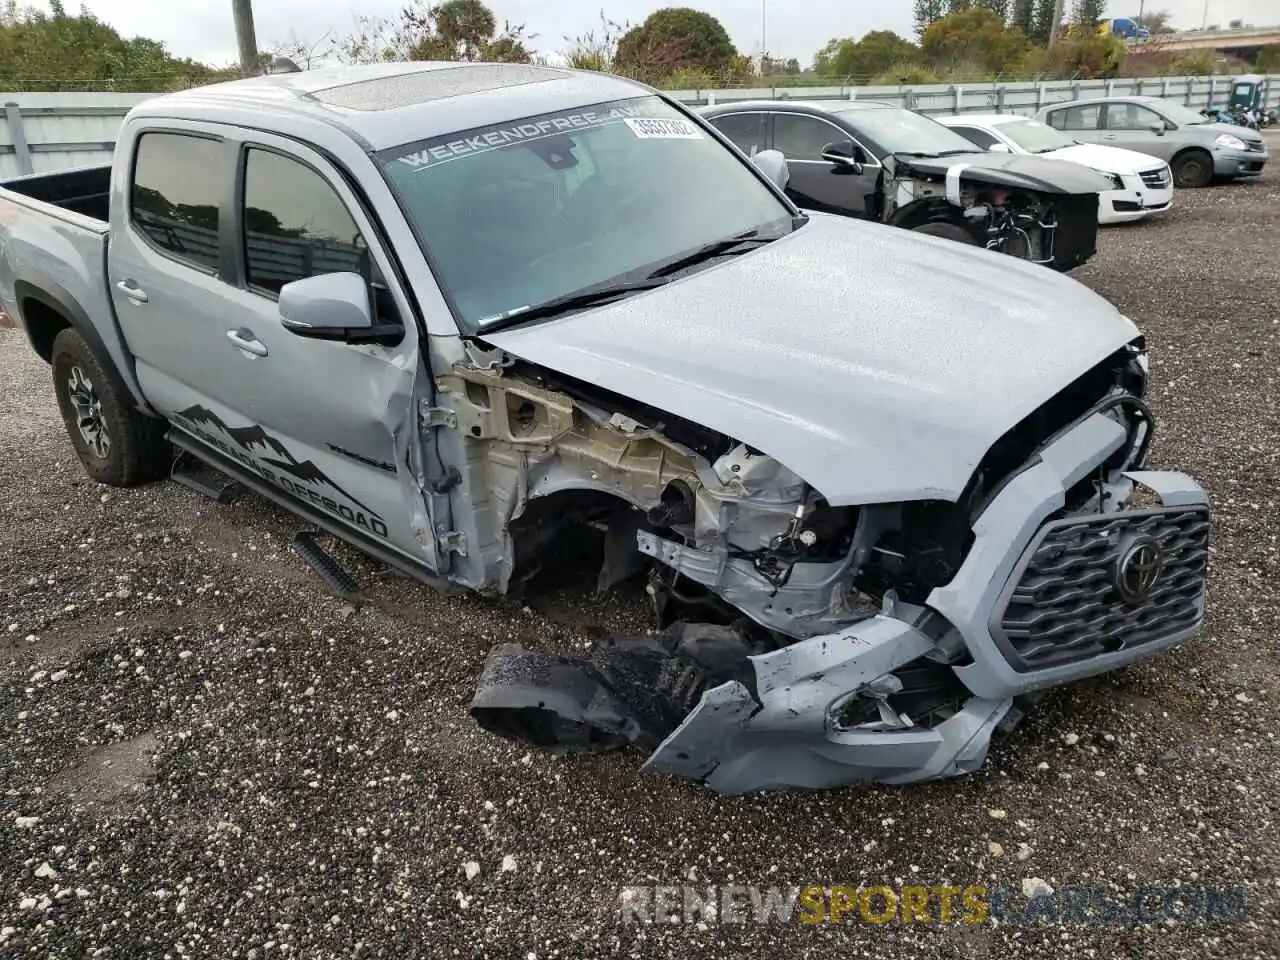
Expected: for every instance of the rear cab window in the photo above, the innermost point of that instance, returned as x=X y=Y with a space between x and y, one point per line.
x=174 y=195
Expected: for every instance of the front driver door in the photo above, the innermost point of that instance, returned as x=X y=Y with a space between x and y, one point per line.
x=818 y=184
x=328 y=424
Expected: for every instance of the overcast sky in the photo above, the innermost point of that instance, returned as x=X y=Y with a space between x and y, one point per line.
x=202 y=29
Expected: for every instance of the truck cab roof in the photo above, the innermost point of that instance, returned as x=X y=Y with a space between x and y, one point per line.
x=384 y=105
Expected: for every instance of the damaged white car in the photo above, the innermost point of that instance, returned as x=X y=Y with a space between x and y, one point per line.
x=882 y=485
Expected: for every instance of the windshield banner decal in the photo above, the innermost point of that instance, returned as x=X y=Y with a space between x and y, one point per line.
x=543 y=128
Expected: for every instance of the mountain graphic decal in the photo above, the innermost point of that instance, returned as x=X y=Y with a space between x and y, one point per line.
x=256 y=441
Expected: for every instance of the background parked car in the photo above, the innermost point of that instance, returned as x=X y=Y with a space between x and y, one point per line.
x=1195 y=147
x=1143 y=184
x=877 y=161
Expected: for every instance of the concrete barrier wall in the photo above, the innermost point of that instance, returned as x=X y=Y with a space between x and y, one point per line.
x=55 y=131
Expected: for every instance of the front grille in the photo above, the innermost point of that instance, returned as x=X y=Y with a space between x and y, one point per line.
x=1254 y=146
x=1062 y=604
x=1157 y=179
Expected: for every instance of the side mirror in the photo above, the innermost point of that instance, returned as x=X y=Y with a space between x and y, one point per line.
x=999 y=148
x=773 y=164
x=1158 y=129
x=334 y=306
x=844 y=153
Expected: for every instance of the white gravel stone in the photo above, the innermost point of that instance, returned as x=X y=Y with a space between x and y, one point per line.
x=1033 y=887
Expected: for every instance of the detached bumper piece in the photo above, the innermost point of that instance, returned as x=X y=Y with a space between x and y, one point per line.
x=628 y=691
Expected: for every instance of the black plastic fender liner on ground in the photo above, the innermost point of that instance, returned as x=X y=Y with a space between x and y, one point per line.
x=633 y=690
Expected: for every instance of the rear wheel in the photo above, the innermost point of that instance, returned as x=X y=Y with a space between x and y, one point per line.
x=946 y=230
x=116 y=444
x=1192 y=169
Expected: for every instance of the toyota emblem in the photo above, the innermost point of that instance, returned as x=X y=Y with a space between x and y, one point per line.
x=1138 y=569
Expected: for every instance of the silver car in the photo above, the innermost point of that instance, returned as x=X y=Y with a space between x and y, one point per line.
x=1196 y=148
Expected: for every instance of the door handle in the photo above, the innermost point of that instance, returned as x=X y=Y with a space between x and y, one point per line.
x=132 y=291
x=246 y=341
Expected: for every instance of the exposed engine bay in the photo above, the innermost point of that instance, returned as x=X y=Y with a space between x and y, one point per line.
x=1044 y=226
x=741 y=559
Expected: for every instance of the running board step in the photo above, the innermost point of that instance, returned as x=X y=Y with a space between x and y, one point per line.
x=204 y=479
x=340 y=583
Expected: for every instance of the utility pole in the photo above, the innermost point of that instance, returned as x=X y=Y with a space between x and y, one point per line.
x=764 y=32
x=250 y=64
x=1058 y=13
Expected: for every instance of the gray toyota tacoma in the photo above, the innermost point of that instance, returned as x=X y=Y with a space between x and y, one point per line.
x=480 y=320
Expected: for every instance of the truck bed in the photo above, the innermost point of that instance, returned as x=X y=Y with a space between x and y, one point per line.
x=84 y=190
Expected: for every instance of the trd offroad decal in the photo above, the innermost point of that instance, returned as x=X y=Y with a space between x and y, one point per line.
x=283 y=469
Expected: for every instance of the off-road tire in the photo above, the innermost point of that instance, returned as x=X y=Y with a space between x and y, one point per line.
x=1192 y=169
x=95 y=404
x=946 y=230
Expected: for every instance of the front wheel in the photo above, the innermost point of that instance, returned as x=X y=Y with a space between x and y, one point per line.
x=116 y=444
x=1192 y=169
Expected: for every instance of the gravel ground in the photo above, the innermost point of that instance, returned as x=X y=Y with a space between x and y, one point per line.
x=223 y=761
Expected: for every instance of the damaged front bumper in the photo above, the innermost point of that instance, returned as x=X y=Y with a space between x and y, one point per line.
x=1033 y=606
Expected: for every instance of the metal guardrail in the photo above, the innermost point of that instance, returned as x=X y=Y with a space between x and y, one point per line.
x=53 y=131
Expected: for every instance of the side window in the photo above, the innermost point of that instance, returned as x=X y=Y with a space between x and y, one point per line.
x=1130 y=116
x=171 y=206
x=746 y=130
x=296 y=225
x=802 y=138
x=978 y=136
x=1076 y=118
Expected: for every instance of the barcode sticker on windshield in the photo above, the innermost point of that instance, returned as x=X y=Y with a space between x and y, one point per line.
x=653 y=128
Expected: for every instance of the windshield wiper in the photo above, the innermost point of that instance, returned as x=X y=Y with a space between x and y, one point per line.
x=580 y=300
x=716 y=248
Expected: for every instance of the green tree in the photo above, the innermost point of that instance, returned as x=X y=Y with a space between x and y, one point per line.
x=1269 y=58
x=1042 y=21
x=973 y=38
x=927 y=13
x=453 y=30
x=1157 y=21
x=56 y=51
x=1023 y=16
x=676 y=39
x=865 y=58
x=1088 y=13
x=592 y=51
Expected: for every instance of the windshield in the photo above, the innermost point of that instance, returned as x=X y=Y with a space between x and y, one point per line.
x=515 y=216
x=902 y=131
x=1182 y=116
x=1034 y=136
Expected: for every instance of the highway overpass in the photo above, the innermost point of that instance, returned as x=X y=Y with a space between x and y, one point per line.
x=1244 y=43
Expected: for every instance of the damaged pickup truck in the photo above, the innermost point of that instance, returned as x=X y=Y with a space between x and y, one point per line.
x=877 y=161
x=885 y=488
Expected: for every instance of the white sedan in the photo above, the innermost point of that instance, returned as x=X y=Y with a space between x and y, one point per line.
x=1143 y=184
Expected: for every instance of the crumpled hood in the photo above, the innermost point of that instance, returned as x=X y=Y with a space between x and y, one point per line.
x=1029 y=171
x=1110 y=159
x=878 y=364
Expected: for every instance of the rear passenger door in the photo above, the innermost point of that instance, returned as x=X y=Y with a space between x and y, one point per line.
x=1080 y=123
x=328 y=424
